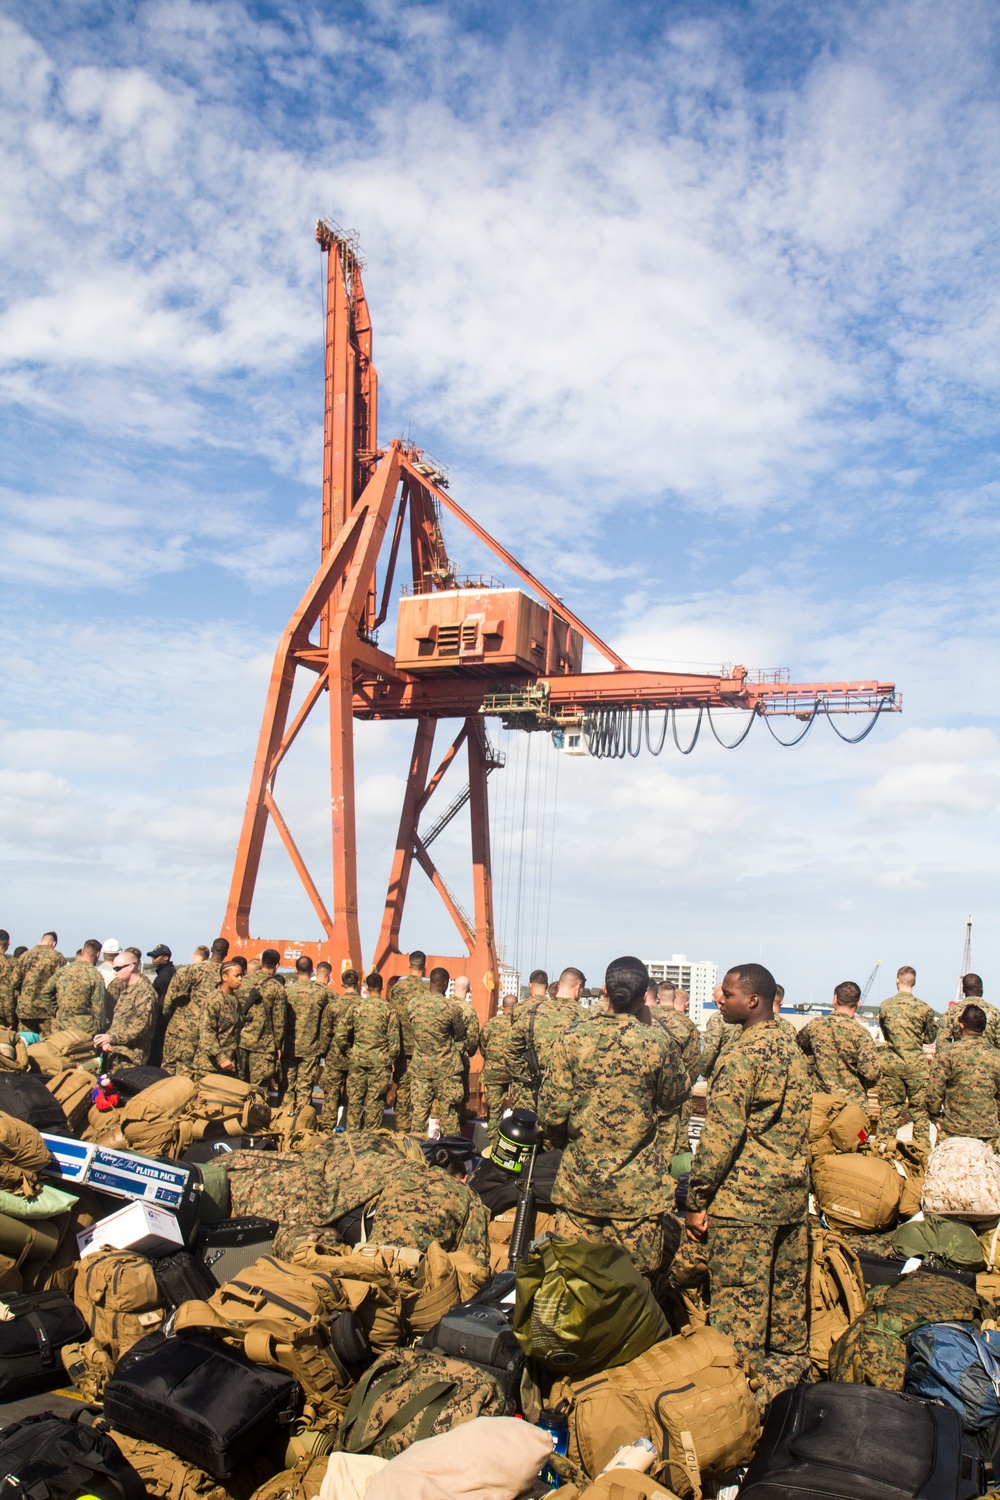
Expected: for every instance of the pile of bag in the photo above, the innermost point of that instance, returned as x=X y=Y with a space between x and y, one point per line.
x=860 y=1185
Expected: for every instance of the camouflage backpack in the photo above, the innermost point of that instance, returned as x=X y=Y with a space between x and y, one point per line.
x=411 y=1394
x=873 y=1350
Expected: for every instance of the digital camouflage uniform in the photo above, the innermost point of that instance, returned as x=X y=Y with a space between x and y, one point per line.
x=187 y=995
x=473 y=1036
x=368 y=1034
x=949 y=1026
x=262 y=1029
x=131 y=1032
x=611 y=1087
x=305 y=1001
x=419 y=1204
x=687 y=1039
x=907 y=1023
x=436 y=1065
x=842 y=1057
x=32 y=972
x=497 y=1044
x=538 y=1026
x=79 y=995
x=217 y=1035
x=751 y=1174
x=963 y=1090
x=408 y=988
x=719 y=1034
x=8 y=1008
x=336 y=1060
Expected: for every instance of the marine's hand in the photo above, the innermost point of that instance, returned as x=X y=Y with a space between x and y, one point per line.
x=697 y=1224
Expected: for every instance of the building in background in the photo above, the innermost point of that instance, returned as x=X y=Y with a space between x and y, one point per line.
x=510 y=982
x=699 y=979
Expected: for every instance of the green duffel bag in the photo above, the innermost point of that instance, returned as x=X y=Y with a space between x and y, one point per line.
x=940 y=1242
x=21 y=1241
x=581 y=1306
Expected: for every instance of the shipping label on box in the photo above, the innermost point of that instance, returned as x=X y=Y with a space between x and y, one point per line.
x=128 y=1175
x=71 y=1159
x=138 y=1226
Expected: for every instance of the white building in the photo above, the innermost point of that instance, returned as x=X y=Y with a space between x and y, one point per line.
x=510 y=982
x=699 y=979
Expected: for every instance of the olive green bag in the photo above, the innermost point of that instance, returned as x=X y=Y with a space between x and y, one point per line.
x=581 y=1306
x=940 y=1242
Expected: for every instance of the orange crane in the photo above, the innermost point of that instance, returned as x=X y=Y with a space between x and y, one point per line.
x=465 y=650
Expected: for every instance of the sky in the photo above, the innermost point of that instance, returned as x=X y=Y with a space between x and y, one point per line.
x=697 y=303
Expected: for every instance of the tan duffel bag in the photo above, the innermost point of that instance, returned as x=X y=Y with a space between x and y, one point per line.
x=857 y=1192
x=689 y=1395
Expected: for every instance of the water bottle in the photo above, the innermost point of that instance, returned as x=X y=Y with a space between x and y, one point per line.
x=555 y=1423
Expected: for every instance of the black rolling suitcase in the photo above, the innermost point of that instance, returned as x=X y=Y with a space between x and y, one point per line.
x=883 y=1270
x=183 y=1277
x=227 y=1248
x=218 y=1150
x=45 y=1457
x=30 y=1340
x=857 y=1442
x=25 y=1096
x=202 y=1400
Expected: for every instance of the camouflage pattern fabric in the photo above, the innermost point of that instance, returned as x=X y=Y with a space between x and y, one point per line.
x=963 y=1090
x=32 y=972
x=262 y=1029
x=305 y=1001
x=908 y=1024
x=79 y=996
x=335 y=1052
x=719 y=1034
x=471 y=1027
x=410 y=1394
x=611 y=1085
x=843 y=1058
x=217 y=1034
x=539 y=1025
x=435 y=1069
x=687 y=1039
x=642 y=1239
x=8 y=1008
x=873 y=1350
x=131 y=1034
x=187 y=994
x=950 y=1024
x=419 y=1204
x=497 y=1044
x=904 y=1086
x=758 y=1275
x=408 y=988
x=369 y=1033
x=751 y=1163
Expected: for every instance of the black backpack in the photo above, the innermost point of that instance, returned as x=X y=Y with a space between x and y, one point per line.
x=25 y=1096
x=39 y=1325
x=46 y=1457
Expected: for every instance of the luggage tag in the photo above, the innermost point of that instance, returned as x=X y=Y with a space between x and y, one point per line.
x=913 y=1264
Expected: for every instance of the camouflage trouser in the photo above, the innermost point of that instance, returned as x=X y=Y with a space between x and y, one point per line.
x=180 y=1041
x=258 y=1069
x=334 y=1085
x=436 y=1096
x=366 y=1091
x=495 y=1088
x=404 y=1081
x=642 y=1239
x=758 y=1276
x=299 y=1080
x=904 y=1083
x=44 y=1025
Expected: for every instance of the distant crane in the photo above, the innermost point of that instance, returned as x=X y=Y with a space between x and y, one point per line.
x=870 y=982
x=966 y=959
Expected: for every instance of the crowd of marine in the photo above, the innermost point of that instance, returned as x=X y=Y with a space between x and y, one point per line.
x=611 y=1086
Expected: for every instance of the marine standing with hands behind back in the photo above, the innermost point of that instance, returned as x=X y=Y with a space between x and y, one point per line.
x=908 y=1024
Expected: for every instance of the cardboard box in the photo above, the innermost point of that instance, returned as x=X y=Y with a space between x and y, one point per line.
x=138 y=1226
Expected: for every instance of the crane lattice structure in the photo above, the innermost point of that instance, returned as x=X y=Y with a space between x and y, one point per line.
x=465 y=650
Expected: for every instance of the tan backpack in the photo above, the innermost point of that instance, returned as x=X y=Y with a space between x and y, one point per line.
x=295 y=1129
x=24 y=1156
x=117 y=1294
x=224 y=1105
x=857 y=1192
x=963 y=1180
x=166 y=1476
x=60 y=1050
x=689 y=1395
x=280 y=1314
x=910 y=1161
x=836 y=1294
x=13 y=1052
x=73 y=1088
x=152 y=1122
x=836 y=1126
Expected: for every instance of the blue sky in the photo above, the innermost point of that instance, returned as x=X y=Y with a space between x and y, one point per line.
x=698 y=304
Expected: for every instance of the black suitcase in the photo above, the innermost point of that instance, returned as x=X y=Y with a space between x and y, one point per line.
x=25 y=1096
x=202 y=1400
x=883 y=1270
x=30 y=1340
x=132 y=1081
x=858 y=1442
x=183 y=1277
x=59 y=1458
x=218 y=1150
x=227 y=1248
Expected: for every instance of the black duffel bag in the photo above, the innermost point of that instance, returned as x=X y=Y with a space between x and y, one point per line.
x=204 y=1401
x=25 y=1096
x=30 y=1340
x=46 y=1457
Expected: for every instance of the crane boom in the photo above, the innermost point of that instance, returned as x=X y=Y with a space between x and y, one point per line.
x=870 y=982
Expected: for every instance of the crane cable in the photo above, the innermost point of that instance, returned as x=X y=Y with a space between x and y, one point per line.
x=610 y=735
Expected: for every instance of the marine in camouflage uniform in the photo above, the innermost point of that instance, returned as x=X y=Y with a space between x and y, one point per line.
x=32 y=972
x=409 y=987
x=305 y=1001
x=262 y=1030
x=719 y=1034
x=436 y=1065
x=8 y=1007
x=950 y=1025
x=336 y=1060
x=473 y=1036
x=611 y=1087
x=422 y=1203
x=368 y=1033
x=751 y=1175
x=78 y=993
x=218 y=1035
x=497 y=1043
x=687 y=1039
x=963 y=1090
x=842 y=1057
x=187 y=995
x=907 y=1023
x=539 y=1026
x=134 y=1023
